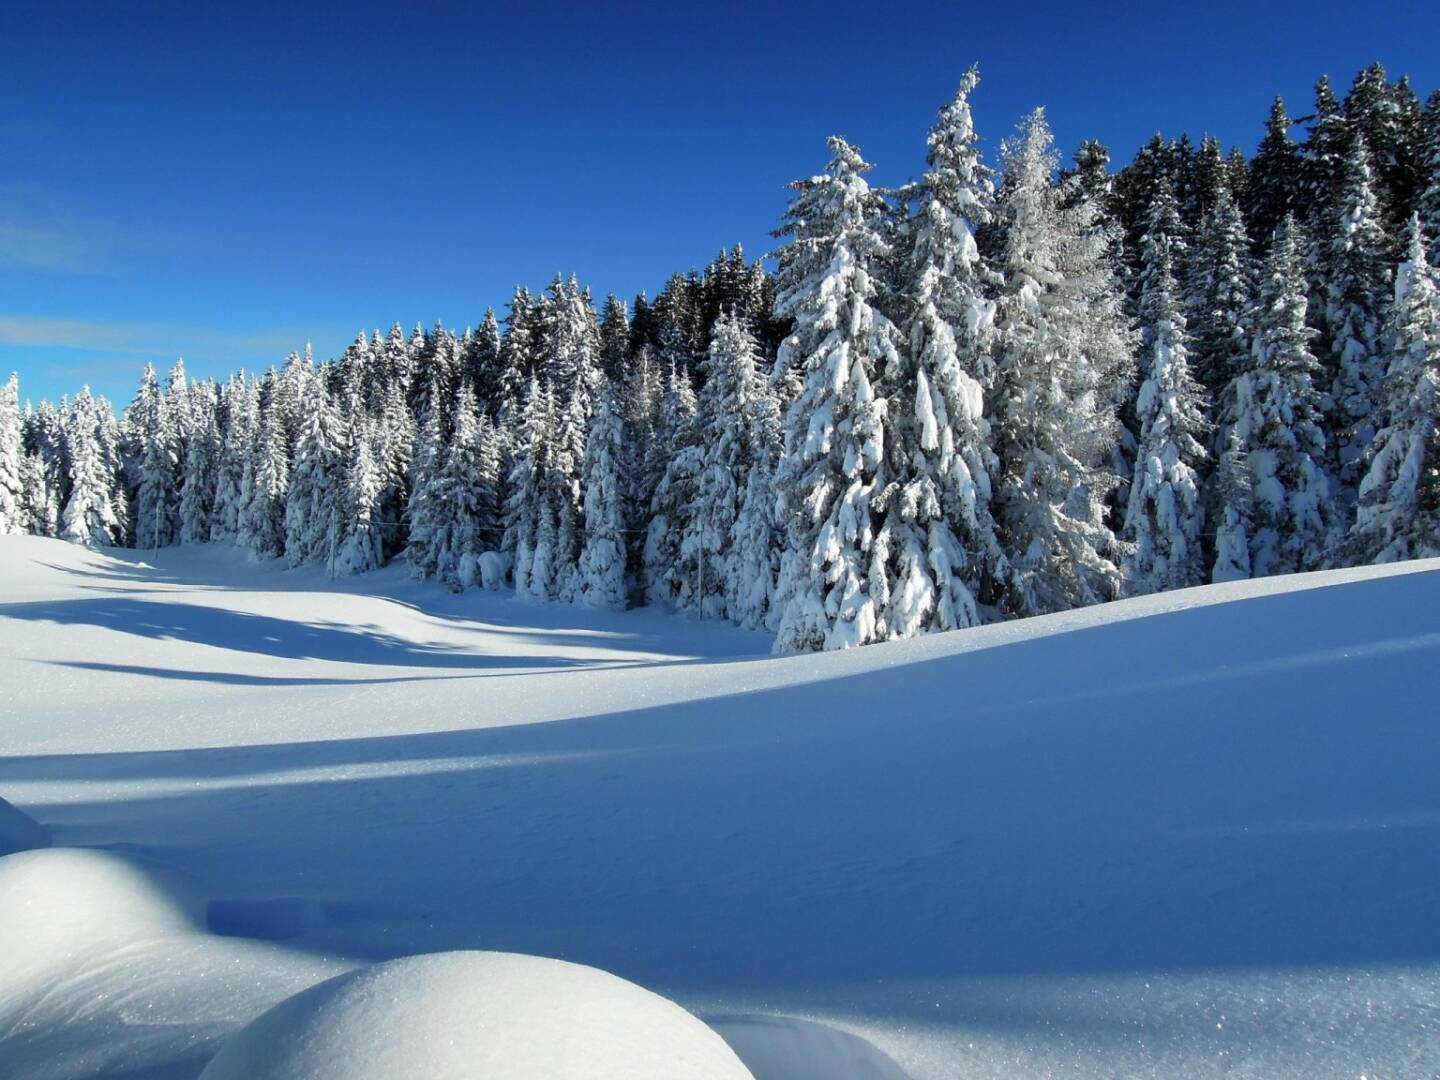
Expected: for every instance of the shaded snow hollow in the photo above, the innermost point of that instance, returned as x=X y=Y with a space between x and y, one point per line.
x=1192 y=834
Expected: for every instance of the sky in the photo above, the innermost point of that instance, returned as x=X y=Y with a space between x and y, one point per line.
x=228 y=181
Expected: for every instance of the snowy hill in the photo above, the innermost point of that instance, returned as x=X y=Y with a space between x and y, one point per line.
x=1190 y=834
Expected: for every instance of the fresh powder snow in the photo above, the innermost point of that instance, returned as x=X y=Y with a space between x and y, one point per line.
x=1185 y=834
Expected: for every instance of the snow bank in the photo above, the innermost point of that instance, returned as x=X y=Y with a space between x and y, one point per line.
x=19 y=831
x=476 y=1014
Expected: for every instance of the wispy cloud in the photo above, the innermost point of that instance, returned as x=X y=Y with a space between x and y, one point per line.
x=40 y=230
x=149 y=339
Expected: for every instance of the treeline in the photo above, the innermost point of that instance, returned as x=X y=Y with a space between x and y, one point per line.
x=978 y=395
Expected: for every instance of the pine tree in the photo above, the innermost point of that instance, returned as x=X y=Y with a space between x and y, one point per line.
x=1398 y=516
x=467 y=496
x=1062 y=346
x=238 y=431
x=615 y=340
x=38 y=510
x=831 y=592
x=1279 y=421
x=937 y=537
x=481 y=362
x=527 y=482
x=1356 y=277
x=12 y=453
x=1428 y=176
x=607 y=511
x=1163 y=518
x=426 y=515
x=89 y=516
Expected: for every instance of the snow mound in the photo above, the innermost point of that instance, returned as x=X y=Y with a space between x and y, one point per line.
x=19 y=831
x=106 y=970
x=476 y=1014
x=788 y=1048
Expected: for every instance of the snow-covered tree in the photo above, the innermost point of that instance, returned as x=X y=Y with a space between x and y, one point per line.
x=12 y=455
x=1163 y=517
x=466 y=496
x=1398 y=516
x=1278 y=421
x=1060 y=336
x=314 y=501
x=607 y=510
x=1220 y=287
x=89 y=516
x=197 y=488
x=667 y=580
x=937 y=537
x=1234 y=499
x=528 y=494
x=153 y=422
x=260 y=523
x=360 y=546
x=831 y=588
x=1356 y=279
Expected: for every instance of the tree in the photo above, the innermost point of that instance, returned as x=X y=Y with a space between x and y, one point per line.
x=1060 y=338
x=197 y=490
x=937 y=535
x=1163 y=515
x=12 y=457
x=1234 y=497
x=1279 y=421
x=1220 y=294
x=153 y=423
x=1356 y=277
x=467 y=497
x=1398 y=516
x=313 y=503
x=606 y=504
x=1275 y=176
x=676 y=456
x=831 y=593
x=359 y=544
x=261 y=520
x=89 y=516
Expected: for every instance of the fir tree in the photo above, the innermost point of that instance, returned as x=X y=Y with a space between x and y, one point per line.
x=197 y=490
x=1274 y=177
x=1234 y=498
x=261 y=519
x=360 y=545
x=314 y=501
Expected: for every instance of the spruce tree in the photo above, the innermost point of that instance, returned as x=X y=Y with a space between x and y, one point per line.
x=12 y=453
x=1356 y=279
x=1062 y=345
x=1163 y=519
x=314 y=502
x=261 y=519
x=1274 y=178
x=606 y=503
x=1235 y=512
x=197 y=489
x=831 y=590
x=1398 y=516
x=937 y=536
x=89 y=516
x=1279 y=421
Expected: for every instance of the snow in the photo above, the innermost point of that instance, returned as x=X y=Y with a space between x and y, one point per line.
x=1185 y=834
x=476 y=1014
x=19 y=832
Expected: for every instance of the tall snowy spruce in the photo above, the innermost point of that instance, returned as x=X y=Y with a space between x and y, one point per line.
x=313 y=503
x=831 y=590
x=1062 y=346
x=360 y=543
x=157 y=497
x=1163 y=515
x=12 y=460
x=1278 y=421
x=937 y=537
x=668 y=570
x=89 y=517
x=606 y=505
x=1356 y=278
x=260 y=521
x=1398 y=516
x=197 y=487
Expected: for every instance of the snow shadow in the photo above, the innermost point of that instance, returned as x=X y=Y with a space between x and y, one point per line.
x=262 y=634
x=1250 y=785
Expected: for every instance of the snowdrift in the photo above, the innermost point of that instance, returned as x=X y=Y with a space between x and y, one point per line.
x=455 y=1016
x=19 y=831
x=1192 y=834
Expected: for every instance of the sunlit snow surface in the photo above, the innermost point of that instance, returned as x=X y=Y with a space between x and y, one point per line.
x=1195 y=834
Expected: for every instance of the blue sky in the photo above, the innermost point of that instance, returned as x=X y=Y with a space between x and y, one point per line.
x=226 y=181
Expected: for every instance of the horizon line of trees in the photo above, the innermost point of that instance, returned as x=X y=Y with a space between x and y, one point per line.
x=983 y=394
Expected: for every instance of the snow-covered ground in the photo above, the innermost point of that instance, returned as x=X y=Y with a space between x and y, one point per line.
x=1195 y=834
